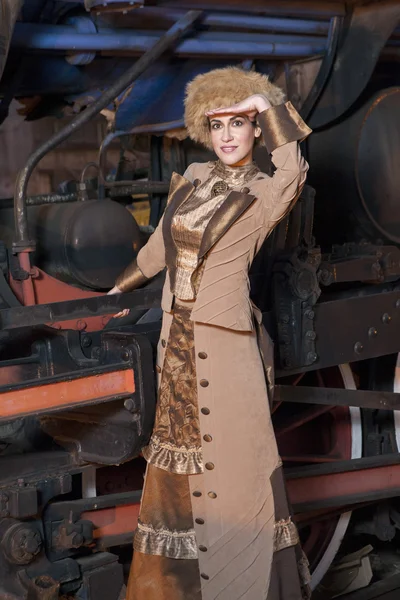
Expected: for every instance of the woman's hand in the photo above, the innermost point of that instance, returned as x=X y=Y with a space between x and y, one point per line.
x=251 y=106
x=123 y=313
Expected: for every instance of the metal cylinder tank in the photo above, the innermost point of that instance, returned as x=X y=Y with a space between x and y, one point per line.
x=86 y=243
x=355 y=169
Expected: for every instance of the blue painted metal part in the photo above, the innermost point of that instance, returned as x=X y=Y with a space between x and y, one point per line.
x=227 y=44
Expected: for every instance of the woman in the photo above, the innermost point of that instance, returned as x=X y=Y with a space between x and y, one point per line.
x=214 y=521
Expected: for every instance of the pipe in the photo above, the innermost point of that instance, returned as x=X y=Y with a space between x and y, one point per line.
x=22 y=241
x=60 y=37
x=34 y=36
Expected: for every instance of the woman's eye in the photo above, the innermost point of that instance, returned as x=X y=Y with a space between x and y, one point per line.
x=215 y=126
x=238 y=123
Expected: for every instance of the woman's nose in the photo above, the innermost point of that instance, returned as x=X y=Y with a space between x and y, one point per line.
x=226 y=135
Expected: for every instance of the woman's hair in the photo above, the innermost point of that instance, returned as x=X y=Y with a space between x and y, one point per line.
x=222 y=87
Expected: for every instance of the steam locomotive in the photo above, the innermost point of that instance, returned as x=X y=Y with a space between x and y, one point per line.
x=77 y=388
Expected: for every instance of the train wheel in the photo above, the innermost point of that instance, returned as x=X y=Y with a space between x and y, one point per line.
x=310 y=434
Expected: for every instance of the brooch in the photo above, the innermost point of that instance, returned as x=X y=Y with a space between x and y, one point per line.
x=219 y=187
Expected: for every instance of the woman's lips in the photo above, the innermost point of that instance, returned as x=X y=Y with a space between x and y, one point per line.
x=228 y=149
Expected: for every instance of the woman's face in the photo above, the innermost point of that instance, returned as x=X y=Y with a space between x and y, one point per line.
x=232 y=138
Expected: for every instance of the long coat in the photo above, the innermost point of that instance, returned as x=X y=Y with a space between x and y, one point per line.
x=233 y=501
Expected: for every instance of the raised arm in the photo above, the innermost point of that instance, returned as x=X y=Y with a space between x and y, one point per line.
x=282 y=129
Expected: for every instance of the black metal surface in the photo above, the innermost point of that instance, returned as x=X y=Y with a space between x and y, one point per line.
x=325 y=68
x=114 y=432
x=22 y=240
x=387 y=589
x=369 y=29
x=338 y=397
x=88 y=243
x=31 y=316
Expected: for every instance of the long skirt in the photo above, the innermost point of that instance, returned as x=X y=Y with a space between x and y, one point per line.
x=165 y=562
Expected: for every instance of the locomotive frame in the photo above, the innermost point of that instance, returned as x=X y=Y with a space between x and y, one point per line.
x=93 y=388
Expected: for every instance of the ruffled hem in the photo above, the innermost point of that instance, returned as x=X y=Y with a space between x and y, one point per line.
x=164 y=542
x=182 y=461
x=285 y=534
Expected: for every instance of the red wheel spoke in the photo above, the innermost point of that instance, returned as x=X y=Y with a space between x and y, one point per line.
x=294 y=421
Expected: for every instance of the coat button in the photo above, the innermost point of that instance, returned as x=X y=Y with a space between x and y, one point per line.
x=196 y=182
x=163 y=343
x=207 y=437
x=204 y=576
x=202 y=355
x=199 y=521
x=197 y=494
x=202 y=549
x=204 y=383
x=205 y=410
x=212 y=495
x=245 y=190
x=209 y=466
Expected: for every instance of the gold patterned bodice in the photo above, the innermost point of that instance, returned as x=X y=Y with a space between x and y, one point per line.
x=193 y=216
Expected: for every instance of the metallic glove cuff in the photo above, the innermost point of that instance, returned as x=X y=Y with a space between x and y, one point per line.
x=131 y=278
x=280 y=125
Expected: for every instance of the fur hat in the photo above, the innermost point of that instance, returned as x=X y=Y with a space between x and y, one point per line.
x=222 y=87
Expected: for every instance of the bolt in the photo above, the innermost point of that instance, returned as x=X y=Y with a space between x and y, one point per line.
x=372 y=332
x=125 y=355
x=311 y=335
x=81 y=325
x=31 y=542
x=358 y=347
x=309 y=314
x=311 y=357
x=86 y=341
x=96 y=352
x=386 y=318
x=129 y=404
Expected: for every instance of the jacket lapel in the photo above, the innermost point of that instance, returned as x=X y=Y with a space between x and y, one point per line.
x=179 y=191
x=234 y=205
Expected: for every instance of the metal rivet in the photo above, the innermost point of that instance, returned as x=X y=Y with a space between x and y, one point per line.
x=197 y=494
x=129 y=404
x=245 y=190
x=309 y=314
x=205 y=410
x=372 y=332
x=202 y=549
x=311 y=335
x=311 y=357
x=386 y=318
x=358 y=347
x=207 y=437
x=204 y=383
x=202 y=355
x=163 y=343
x=204 y=576
x=199 y=521
x=209 y=466
x=212 y=495
x=196 y=182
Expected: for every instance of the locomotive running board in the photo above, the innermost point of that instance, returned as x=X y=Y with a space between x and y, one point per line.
x=78 y=389
x=337 y=397
x=41 y=314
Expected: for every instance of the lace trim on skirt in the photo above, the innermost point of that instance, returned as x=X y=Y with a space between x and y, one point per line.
x=164 y=542
x=285 y=535
x=182 y=461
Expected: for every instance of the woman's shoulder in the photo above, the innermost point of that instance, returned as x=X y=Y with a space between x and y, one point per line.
x=198 y=170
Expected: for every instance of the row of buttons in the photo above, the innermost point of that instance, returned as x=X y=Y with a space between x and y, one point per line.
x=209 y=465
